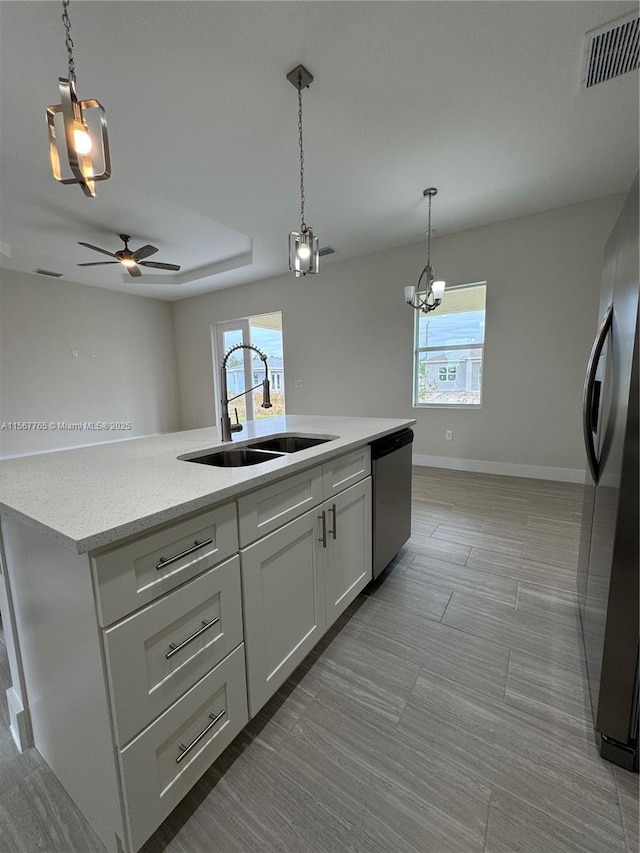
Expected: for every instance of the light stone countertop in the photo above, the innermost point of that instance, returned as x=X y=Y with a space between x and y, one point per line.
x=91 y=497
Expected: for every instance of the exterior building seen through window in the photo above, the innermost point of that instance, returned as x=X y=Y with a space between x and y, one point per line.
x=449 y=349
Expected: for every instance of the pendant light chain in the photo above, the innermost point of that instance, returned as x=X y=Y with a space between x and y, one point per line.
x=69 y=41
x=303 y=223
x=429 y=236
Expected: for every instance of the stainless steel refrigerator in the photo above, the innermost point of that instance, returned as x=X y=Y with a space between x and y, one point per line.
x=609 y=559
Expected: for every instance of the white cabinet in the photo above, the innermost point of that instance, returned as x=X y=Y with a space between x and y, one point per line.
x=167 y=758
x=348 y=551
x=298 y=579
x=284 y=604
x=156 y=654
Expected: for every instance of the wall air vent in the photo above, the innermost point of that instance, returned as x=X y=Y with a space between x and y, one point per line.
x=326 y=250
x=611 y=50
x=49 y=273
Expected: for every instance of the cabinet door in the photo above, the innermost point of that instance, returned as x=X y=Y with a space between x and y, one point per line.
x=284 y=603
x=349 y=567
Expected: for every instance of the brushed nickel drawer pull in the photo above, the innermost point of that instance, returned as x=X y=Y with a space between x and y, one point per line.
x=175 y=649
x=187 y=749
x=332 y=509
x=323 y=518
x=182 y=554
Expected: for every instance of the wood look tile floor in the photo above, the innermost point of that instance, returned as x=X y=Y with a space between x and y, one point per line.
x=446 y=712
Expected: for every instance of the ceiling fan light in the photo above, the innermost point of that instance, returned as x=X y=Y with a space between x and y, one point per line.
x=128 y=262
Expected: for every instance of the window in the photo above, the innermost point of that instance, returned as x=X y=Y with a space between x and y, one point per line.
x=449 y=349
x=245 y=369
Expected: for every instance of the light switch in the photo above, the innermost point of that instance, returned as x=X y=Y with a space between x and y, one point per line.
x=298 y=383
x=74 y=353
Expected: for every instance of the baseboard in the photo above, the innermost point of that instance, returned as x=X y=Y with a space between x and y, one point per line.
x=19 y=721
x=507 y=469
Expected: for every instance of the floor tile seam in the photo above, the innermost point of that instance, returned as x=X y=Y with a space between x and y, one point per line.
x=498 y=597
x=547 y=629
x=494 y=640
x=536 y=808
x=533 y=759
x=626 y=835
x=466 y=544
x=550 y=628
x=402 y=609
x=446 y=605
x=583 y=722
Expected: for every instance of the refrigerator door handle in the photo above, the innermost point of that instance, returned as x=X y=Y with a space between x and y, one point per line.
x=588 y=394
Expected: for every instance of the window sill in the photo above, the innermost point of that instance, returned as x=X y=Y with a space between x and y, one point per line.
x=467 y=406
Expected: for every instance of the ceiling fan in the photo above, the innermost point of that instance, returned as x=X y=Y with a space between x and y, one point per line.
x=131 y=260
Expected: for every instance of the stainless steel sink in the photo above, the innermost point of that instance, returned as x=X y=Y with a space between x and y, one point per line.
x=233 y=457
x=289 y=443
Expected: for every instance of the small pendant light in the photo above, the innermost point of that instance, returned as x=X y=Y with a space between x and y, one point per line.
x=428 y=299
x=86 y=149
x=303 y=245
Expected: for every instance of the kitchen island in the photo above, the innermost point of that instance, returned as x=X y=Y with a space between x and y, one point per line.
x=155 y=604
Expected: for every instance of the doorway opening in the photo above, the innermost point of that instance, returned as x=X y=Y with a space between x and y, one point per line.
x=245 y=368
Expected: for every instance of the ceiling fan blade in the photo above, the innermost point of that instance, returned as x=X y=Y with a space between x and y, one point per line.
x=158 y=266
x=97 y=249
x=134 y=271
x=144 y=252
x=98 y=263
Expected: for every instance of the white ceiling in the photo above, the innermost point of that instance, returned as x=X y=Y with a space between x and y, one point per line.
x=480 y=99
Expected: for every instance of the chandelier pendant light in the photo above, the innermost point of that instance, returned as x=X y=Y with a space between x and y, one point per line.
x=304 y=254
x=430 y=296
x=85 y=144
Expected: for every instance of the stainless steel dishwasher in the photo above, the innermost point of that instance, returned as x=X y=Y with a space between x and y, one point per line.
x=391 y=474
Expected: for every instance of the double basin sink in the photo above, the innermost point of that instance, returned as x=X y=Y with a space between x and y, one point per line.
x=260 y=450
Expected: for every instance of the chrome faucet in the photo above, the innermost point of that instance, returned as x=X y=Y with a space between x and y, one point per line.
x=225 y=421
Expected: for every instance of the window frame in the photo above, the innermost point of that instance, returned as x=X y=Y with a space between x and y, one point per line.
x=417 y=350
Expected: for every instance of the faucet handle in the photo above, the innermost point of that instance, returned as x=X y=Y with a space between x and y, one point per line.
x=237 y=427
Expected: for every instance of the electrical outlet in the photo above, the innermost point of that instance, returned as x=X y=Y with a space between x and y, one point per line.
x=448 y=435
x=297 y=383
x=74 y=353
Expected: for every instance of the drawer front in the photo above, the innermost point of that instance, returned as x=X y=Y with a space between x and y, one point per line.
x=139 y=572
x=161 y=765
x=345 y=471
x=266 y=509
x=154 y=656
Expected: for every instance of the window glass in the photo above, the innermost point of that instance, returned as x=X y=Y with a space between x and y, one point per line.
x=449 y=350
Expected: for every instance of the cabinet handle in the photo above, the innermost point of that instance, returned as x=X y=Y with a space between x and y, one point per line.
x=173 y=649
x=333 y=532
x=182 y=554
x=198 y=738
x=323 y=538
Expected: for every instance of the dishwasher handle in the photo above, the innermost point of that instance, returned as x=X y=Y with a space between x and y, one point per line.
x=390 y=443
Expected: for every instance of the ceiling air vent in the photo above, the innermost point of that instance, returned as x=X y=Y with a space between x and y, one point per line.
x=49 y=273
x=611 y=50
x=326 y=250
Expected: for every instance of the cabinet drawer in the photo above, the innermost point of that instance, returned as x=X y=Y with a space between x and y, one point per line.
x=160 y=766
x=155 y=655
x=272 y=506
x=140 y=571
x=345 y=471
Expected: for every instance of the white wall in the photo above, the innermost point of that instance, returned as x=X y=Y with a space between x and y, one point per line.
x=131 y=378
x=349 y=337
